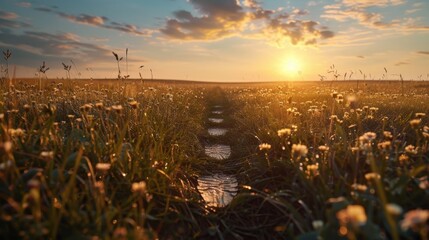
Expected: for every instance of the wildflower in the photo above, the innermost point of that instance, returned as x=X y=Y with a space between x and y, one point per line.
x=299 y=150
x=6 y=146
x=424 y=183
x=120 y=233
x=312 y=170
x=102 y=167
x=19 y=132
x=99 y=105
x=415 y=219
x=47 y=155
x=99 y=186
x=388 y=135
x=394 y=209
x=27 y=107
x=403 y=159
x=284 y=132
x=134 y=104
x=264 y=146
x=354 y=149
x=346 y=116
x=339 y=98
x=323 y=148
x=411 y=149
x=373 y=109
x=86 y=107
x=415 y=123
x=367 y=137
x=384 y=145
x=359 y=187
x=353 y=215
x=317 y=224
x=336 y=200
x=33 y=184
x=117 y=108
x=420 y=115
x=372 y=176
x=139 y=187
x=6 y=165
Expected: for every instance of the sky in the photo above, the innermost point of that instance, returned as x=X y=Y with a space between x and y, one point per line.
x=218 y=40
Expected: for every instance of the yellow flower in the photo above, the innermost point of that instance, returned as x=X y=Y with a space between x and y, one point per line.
x=415 y=219
x=103 y=167
x=415 y=123
x=394 y=209
x=264 y=146
x=139 y=187
x=284 y=132
x=372 y=176
x=299 y=150
x=353 y=215
x=323 y=148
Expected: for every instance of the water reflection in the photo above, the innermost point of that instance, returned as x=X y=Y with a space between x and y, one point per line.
x=217 y=190
x=218 y=151
x=217 y=112
x=216 y=120
x=217 y=131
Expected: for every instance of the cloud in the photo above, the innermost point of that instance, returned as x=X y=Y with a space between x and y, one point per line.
x=296 y=31
x=363 y=12
x=8 y=20
x=53 y=46
x=372 y=3
x=98 y=21
x=423 y=52
x=226 y=18
x=219 y=19
x=8 y=15
x=85 y=19
x=24 y=4
x=360 y=56
x=401 y=63
x=369 y=19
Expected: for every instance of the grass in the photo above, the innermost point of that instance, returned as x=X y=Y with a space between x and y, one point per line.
x=119 y=159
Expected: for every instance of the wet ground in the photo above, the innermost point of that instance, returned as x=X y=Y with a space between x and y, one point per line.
x=217 y=189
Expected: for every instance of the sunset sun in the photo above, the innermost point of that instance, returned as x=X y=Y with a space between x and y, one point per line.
x=291 y=67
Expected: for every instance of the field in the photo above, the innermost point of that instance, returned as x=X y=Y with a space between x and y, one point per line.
x=131 y=159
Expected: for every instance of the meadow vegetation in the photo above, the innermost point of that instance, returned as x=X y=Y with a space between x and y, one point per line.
x=119 y=159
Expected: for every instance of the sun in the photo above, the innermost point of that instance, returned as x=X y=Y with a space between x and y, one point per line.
x=291 y=67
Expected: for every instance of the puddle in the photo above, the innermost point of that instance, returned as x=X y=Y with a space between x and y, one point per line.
x=218 y=151
x=218 y=112
x=217 y=131
x=217 y=190
x=216 y=120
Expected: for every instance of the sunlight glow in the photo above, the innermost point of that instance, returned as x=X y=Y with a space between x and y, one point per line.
x=291 y=67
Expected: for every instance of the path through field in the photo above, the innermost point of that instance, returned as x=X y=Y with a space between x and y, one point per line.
x=217 y=187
